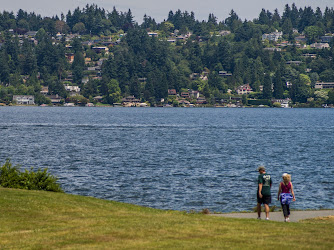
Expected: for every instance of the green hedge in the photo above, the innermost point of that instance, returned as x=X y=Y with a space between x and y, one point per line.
x=12 y=177
x=265 y=102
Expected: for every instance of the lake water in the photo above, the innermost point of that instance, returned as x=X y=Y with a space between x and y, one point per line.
x=176 y=158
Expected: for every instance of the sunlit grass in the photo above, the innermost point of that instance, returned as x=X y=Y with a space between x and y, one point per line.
x=47 y=220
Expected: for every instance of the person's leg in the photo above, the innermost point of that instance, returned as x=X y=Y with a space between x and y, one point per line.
x=259 y=210
x=285 y=210
x=266 y=206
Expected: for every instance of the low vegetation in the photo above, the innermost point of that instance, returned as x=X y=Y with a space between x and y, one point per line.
x=12 y=177
x=49 y=220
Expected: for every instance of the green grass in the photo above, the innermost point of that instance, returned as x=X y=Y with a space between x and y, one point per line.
x=48 y=220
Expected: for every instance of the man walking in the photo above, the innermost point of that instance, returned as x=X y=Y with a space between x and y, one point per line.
x=263 y=192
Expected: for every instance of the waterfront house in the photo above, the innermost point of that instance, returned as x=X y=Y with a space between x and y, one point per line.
x=98 y=98
x=201 y=100
x=24 y=99
x=55 y=99
x=184 y=103
x=284 y=102
x=130 y=101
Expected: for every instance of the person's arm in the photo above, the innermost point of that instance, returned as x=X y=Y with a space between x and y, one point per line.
x=293 y=194
x=279 y=191
x=260 y=190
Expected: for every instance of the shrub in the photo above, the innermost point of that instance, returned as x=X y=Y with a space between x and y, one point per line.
x=12 y=177
x=260 y=102
x=277 y=105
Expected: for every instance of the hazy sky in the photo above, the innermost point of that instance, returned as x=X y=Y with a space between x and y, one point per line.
x=158 y=9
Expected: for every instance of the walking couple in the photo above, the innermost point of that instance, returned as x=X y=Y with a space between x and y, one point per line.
x=285 y=193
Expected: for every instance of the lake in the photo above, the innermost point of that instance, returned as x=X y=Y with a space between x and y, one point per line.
x=176 y=158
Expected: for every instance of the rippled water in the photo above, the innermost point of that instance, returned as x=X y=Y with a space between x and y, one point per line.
x=176 y=158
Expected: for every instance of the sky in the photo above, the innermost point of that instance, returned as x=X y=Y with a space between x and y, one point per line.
x=159 y=9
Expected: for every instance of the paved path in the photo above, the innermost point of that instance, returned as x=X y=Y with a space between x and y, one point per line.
x=295 y=216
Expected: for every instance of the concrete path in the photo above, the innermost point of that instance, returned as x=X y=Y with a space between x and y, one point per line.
x=295 y=216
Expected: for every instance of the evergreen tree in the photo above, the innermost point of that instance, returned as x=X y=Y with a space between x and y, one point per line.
x=78 y=66
x=4 y=68
x=267 y=87
x=278 y=85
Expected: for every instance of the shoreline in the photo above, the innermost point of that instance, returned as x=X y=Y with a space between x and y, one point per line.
x=110 y=106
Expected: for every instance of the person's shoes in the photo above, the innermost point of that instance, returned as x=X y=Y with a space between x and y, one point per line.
x=267 y=218
x=259 y=218
x=287 y=219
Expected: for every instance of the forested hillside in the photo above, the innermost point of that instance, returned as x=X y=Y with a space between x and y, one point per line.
x=100 y=56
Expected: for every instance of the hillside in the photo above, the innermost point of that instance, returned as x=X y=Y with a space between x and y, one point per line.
x=95 y=56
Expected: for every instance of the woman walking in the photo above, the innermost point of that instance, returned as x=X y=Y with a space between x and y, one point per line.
x=286 y=195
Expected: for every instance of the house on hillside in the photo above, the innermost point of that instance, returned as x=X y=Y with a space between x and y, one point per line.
x=326 y=39
x=244 y=89
x=152 y=34
x=274 y=36
x=294 y=62
x=320 y=45
x=101 y=49
x=185 y=94
x=194 y=94
x=30 y=34
x=69 y=57
x=301 y=39
x=72 y=88
x=171 y=91
x=224 y=73
x=324 y=85
x=44 y=90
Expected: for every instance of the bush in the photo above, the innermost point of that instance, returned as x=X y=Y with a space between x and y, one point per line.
x=265 y=102
x=12 y=177
x=277 y=105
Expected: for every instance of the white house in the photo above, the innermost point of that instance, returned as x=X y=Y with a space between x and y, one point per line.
x=320 y=45
x=72 y=88
x=24 y=99
x=274 y=36
x=324 y=85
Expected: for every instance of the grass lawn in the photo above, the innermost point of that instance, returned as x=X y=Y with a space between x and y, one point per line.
x=47 y=220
